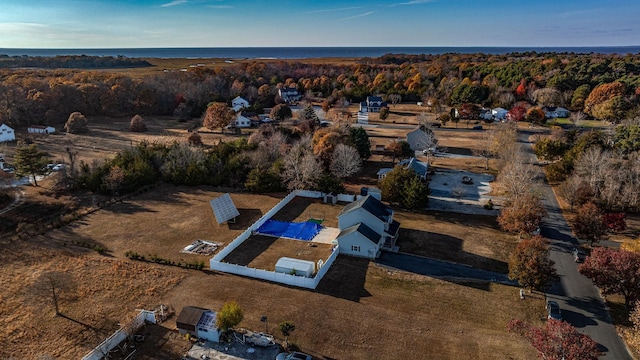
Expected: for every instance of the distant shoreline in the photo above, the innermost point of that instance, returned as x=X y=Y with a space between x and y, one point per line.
x=287 y=53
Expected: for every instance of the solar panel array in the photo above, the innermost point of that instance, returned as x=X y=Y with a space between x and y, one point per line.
x=223 y=208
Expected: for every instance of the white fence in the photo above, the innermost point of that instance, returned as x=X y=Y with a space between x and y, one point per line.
x=216 y=262
x=101 y=351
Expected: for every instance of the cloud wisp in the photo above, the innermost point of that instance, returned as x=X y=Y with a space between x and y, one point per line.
x=356 y=16
x=412 y=2
x=175 y=3
x=332 y=10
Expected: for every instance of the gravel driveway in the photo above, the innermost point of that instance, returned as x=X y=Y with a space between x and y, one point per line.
x=448 y=193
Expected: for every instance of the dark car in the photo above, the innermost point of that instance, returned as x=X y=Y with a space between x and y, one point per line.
x=553 y=310
x=467 y=180
x=578 y=255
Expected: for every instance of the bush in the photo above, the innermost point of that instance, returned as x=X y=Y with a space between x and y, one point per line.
x=556 y=172
x=384 y=113
x=137 y=124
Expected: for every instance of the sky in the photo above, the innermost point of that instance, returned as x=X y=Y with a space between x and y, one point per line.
x=286 y=23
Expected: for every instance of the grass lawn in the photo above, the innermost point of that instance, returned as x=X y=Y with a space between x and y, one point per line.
x=583 y=123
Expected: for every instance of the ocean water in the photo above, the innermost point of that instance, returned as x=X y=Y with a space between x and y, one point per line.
x=305 y=52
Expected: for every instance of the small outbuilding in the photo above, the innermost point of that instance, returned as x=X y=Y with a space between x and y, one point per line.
x=198 y=322
x=41 y=129
x=296 y=267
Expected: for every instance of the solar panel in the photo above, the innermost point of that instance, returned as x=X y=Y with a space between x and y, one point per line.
x=223 y=208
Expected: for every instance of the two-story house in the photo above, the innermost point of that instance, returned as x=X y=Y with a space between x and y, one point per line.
x=366 y=227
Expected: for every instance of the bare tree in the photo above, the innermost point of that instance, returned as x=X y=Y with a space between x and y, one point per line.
x=486 y=149
x=592 y=167
x=54 y=286
x=576 y=118
x=506 y=99
x=301 y=168
x=346 y=161
x=395 y=98
x=518 y=177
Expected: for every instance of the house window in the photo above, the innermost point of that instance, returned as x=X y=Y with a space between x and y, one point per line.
x=355 y=248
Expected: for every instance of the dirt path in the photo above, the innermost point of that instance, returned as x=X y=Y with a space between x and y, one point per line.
x=17 y=201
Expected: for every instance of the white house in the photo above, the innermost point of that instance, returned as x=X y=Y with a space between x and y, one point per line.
x=198 y=322
x=6 y=133
x=372 y=104
x=239 y=103
x=360 y=240
x=242 y=121
x=370 y=211
x=499 y=113
x=41 y=129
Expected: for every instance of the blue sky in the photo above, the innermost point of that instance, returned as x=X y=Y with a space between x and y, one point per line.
x=253 y=23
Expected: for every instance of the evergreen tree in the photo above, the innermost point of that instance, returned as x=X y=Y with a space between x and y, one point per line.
x=29 y=161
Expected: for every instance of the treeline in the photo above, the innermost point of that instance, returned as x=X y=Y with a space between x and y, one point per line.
x=603 y=86
x=71 y=62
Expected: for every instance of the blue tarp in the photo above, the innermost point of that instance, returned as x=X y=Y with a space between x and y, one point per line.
x=292 y=230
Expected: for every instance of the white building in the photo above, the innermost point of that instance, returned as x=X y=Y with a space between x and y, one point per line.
x=41 y=129
x=499 y=113
x=6 y=133
x=239 y=103
x=377 y=217
x=242 y=121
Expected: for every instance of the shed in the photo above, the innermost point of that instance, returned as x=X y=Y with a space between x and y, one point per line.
x=296 y=267
x=198 y=322
x=6 y=133
x=41 y=129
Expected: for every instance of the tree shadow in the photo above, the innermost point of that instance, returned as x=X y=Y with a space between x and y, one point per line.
x=89 y=327
x=345 y=279
x=590 y=305
x=245 y=219
x=447 y=248
x=250 y=249
x=577 y=320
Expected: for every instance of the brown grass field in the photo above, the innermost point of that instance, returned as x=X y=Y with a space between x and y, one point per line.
x=359 y=311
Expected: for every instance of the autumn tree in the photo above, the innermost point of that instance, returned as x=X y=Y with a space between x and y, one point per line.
x=614 y=272
x=326 y=145
x=286 y=328
x=535 y=115
x=530 y=265
x=194 y=139
x=557 y=340
x=280 y=112
x=615 y=222
x=601 y=94
x=384 y=113
x=517 y=113
x=547 y=97
x=76 y=124
x=217 y=116
x=588 y=224
x=137 y=124
x=399 y=150
x=360 y=140
x=522 y=215
x=29 y=161
x=229 y=316
x=345 y=161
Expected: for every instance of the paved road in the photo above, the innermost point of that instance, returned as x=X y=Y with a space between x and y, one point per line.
x=579 y=299
x=437 y=268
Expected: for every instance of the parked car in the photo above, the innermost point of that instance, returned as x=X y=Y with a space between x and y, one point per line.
x=578 y=255
x=294 y=356
x=553 y=310
x=467 y=180
x=536 y=232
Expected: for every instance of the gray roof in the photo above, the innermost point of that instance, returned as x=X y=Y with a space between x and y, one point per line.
x=370 y=204
x=364 y=230
x=418 y=167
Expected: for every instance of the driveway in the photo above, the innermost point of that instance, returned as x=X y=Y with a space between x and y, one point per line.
x=580 y=301
x=438 y=268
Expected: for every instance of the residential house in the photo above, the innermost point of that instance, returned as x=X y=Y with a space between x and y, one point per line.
x=289 y=95
x=239 y=103
x=418 y=138
x=419 y=167
x=499 y=113
x=6 y=133
x=372 y=104
x=555 y=112
x=246 y=119
x=41 y=129
x=198 y=322
x=377 y=217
